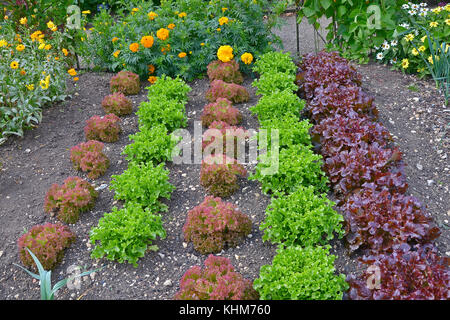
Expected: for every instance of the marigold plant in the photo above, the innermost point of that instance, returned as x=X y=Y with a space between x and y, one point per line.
x=70 y=199
x=47 y=242
x=217 y=281
x=214 y=225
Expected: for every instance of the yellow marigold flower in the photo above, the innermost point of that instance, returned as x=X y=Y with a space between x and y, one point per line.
x=41 y=46
x=224 y=9
x=116 y=53
x=23 y=20
x=134 y=47
x=152 y=79
x=225 y=53
x=114 y=39
x=3 y=43
x=223 y=20
x=171 y=26
x=422 y=48
x=72 y=72
x=151 y=68
x=434 y=24
x=430 y=60
x=30 y=87
x=147 y=41
x=182 y=54
x=50 y=25
x=65 y=51
x=447 y=21
x=218 y=29
x=134 y=10
x=409 y=37
x=405 y=63
x=45 y=83
x=247 y=58
x=48 y=47
x=182 y=14
x=57 y=58
x=86 y=12
x=152 y=15
x=6 y=17
x=423 y=38
x=35 y=35
x=162 y=34
x=202 y=44
x=437 y=10
x=414 y=52
x=446 y=47
x=20 y=47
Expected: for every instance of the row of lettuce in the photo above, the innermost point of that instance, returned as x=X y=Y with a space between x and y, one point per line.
x=300 y=219
x=391 y=229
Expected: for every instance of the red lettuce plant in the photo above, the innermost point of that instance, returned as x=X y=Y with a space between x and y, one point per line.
x=118 y=104
x=126 y=82
x=221 y=110
x=378 y=220
x=70 y=199
x=231 y=91
x=89 y=157
x=217 y=281
x=323 y=69
x=104 y=129
x=225 y=71
x=215 y=224
x=219 y=175
x=348 y=170
x=235 y=136
x=341 y=133
x=408 y=273
x=47 y=242
x=338 y=99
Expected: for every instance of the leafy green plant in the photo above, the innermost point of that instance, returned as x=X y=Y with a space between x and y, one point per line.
x=297 y=166
x=275 y=61
x=291 y=131
x=272 y=81
x=45 y=278
x=277 y=105
x=170 y=88
x=300 y=273
x=150 y=145
x=301 y=218
x=126 y=234
x=159 y=110
x=144 y=184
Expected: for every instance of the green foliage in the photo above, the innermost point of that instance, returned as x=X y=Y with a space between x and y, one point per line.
x=150 y=145
x=291 y=131
x=275 y=61
x=159 y=110
x=301 y=218
x=126 y=234
x=300 y=273
x=277 y=105
x=169 y=88
x=29 y=80
x=144 y=184
x=45 y=278
x=195 y=34
x=297 y=166
x=272 y=82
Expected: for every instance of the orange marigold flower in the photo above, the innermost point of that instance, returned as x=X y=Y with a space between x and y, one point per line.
x=20 y=47
x=162 y=34
x=76 y=79
x=182 y=54
x=223 y=20
x=152 y=79
x=171 y=26
x=151 y=68
x=72 y=72
x=65 y=51
x=114 y=39
x=147 y=41
x=225 y=53
x=182 y=14
x=134 y=47
x=247 y=58
x=152 y=15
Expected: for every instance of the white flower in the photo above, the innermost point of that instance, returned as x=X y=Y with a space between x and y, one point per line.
x=385 y=45
x=394 y=61
x=394 y=43
x=405 y=25
x=416 y=32
x=423 y=4
x=412 y=12
x=405 y=6
x=380 y=56
x=376 y=48
x=415 y=6
x=424 y=9
x=423 y=13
